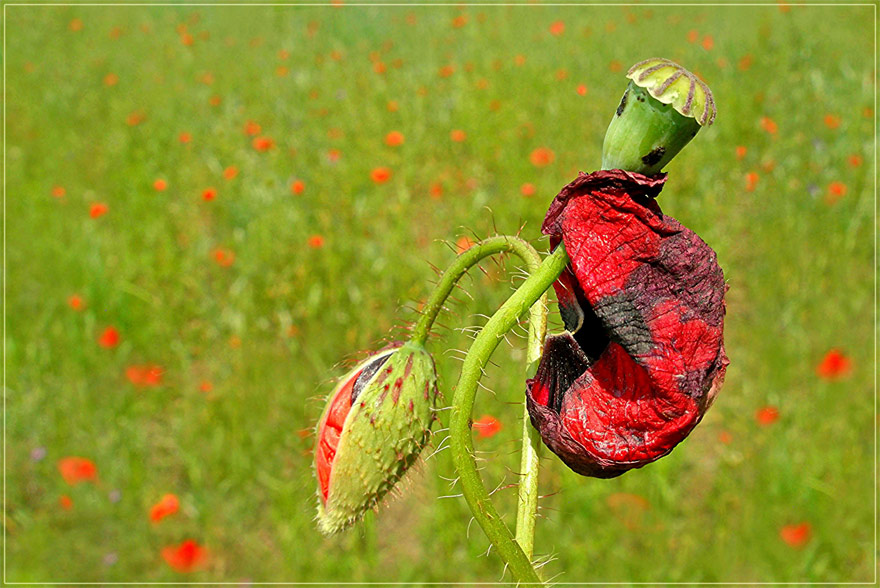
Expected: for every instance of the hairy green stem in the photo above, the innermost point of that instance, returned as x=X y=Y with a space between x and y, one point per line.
x=527 y=505
x=461 y=442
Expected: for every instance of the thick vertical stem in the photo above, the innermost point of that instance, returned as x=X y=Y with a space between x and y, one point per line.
x=461 y=442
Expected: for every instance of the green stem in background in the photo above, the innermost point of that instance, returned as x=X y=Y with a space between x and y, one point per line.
x=461 y=442
x=527 y=504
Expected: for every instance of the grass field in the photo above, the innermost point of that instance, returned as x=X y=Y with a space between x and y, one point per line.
x=195 y=238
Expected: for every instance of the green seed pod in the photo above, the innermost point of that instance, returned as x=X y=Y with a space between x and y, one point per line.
x=662 y=109
x=376 y=422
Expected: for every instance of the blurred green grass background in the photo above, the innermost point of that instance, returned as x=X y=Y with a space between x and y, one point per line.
x=97 y=99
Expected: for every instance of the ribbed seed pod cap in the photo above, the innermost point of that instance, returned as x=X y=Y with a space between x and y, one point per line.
x=672 y=84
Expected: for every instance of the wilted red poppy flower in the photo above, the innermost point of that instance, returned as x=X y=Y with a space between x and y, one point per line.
x=835 y=365
x=796 y=536
x=167 y=506
x=189 y=556
x=109 y=337
x=98 y=209
x=487 y=426
x=643 y=302
x=77 y=469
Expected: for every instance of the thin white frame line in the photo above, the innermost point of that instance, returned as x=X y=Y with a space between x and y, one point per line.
x=769 y=4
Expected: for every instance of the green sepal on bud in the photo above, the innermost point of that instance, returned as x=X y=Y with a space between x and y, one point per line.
x=662 y=109
x=375 y=425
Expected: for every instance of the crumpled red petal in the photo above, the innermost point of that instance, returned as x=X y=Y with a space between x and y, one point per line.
x=648 y=358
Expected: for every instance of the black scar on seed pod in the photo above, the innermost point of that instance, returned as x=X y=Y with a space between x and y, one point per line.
x=366 y=375
x=622 y=104
x=654 y=156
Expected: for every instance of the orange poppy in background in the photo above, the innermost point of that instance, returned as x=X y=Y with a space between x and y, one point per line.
x=297 y=187
x=206 y=386
x=58 y=191
x=98 y=209
x=316 y=241
x=855 y=160
x=796 y=536
x=832 y=121
x=527 y=189
x=263 y=143
x=186 y=557
x=65 y=502
x=692 y=36
x=76 y=302
x=458 y=135
x=751 y=181
x=333 y=155
x=144 y=376
x=487 y=426
x=542 y=156
x=836 y=191
x=230 y=172
x=167 y=506
x=135 y=118
x=77 y=469
x=224 y=257
x=160 y=185
x=209 y=194
x=392 y=106
x=740 y=151
x=446 y=71
x=459 y=21
x=111 y=79
x=463 y=244
x=557 y=28
x=109 y=338
x=394 y=139
x=581 y=89
x=769 y=125
x=436 y=190
x=184 y=137
x=834 y=366
x=252 y=128
x=708 y=42
x=767 y=415
x=380 y=175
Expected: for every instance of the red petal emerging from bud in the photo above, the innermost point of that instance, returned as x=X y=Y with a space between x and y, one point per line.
x=644 y=298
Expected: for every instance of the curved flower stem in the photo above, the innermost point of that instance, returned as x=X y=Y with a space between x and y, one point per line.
x=461 y=442
x=464 y=262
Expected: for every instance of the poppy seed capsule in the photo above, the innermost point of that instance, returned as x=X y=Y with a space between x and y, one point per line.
x=374 y=426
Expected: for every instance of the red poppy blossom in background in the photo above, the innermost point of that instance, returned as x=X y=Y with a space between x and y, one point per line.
x=144 y=376
x=767 y=415
x=557 y=28
x=186 y=557
x=459 y=21
x=436 y=190
x=834 y=365
x=77 y=469
x=745 y=62
x=527 y=189
x=263 y=143
x=725 y=437
x=855 y=160
x=394 y=139
x=206 y=386
x=224 y=257
x=380 y=175
x=769 y=125
x=316 y=241
x=76 y=302
x=184 y=137
x=463 y=244
x=167 y=506
x=98 y=209
x=542 y=156
x=751 y=181
x=65 y=502
x=692 y=36
x=446 y=71
x=708 y=42
x=581 y=89
x=111 y=79
x=252 y=128
x=58 y=191
x=832 y=121
x=740 y=152
x=230 y=172
x=333 y=155
x=836 y=191
x=297 y=187
x=109 y=338
x=209 y=194
x=487 y=426
x=796 y=536
x=160 y=185
x=458 y=135
x=392 y=106
x=135 y=118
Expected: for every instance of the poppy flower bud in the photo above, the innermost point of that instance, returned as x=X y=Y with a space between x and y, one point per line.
x=375 y=424
x=643 y=301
